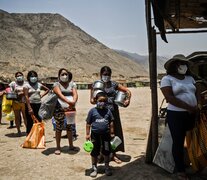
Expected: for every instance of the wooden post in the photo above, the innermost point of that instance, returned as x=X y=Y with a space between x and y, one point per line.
x=152 y=143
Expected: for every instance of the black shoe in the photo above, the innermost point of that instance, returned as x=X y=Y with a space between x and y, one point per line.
x=10 y=127
x=108 y=171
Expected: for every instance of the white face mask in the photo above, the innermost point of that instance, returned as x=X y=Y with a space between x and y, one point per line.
x=19 y=78
x=106 y=78
x=182 y=69
x=64 y=78
x=33 y=79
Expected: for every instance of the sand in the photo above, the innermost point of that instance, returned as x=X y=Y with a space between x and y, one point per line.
x=20 y=163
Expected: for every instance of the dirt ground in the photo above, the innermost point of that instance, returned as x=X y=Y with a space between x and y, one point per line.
x=20 y=163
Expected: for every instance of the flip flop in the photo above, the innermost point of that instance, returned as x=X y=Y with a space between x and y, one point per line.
x=117 y=160
x=57 y=152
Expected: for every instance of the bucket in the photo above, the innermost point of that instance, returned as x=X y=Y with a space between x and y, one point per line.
x=120 y=98
x=96 y=92
x=115 y=142
x=63 y=103
x=70 y=117
x=98 y=85
x=88 y=146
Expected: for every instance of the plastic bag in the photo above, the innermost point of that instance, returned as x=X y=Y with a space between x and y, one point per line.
x=36 y=138
x=197 y=143
x=6 y=105
x=48 y=106
x=10 y=116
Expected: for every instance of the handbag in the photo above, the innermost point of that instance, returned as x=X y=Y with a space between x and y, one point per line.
x=36 y=138
x=10 y=116
x=48 y=106
x=197 y=143
x=6 y=105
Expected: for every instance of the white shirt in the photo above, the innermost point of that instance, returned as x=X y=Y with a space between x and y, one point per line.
x=182 y=89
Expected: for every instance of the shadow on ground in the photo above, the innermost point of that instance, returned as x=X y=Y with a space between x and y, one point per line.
x=139 y=170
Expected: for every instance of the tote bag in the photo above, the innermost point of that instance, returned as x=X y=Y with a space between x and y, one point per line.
x=36 y=138
x=48 y=106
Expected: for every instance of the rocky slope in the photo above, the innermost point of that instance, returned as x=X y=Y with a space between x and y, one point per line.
x=47 y=42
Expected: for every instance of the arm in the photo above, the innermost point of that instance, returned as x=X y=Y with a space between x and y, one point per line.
x=88 y=129
x=30 y=110
x=75 y=95
x=126 y=90
x=169 y=96
x=2 y=92
x=112 y=129
x=57 y=91
x=46 y=90
x=92 y=99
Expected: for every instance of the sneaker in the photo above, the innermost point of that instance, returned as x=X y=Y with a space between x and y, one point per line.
x=108 y=172
x=93 y=173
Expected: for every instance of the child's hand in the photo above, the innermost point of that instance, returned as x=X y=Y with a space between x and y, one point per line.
x=88 y=137
x=112 y=135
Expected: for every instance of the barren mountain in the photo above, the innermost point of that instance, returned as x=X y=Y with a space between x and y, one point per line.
x=143 y=60
x=46 y=42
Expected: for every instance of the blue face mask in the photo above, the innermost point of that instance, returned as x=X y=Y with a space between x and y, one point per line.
x=33 y=79
x=101 y=105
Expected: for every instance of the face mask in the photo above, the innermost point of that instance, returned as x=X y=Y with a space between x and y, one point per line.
x=182 y=69
x=106 y=78
x=33 y=79
x=101 y=105
x=64 y=78
x=19 y=78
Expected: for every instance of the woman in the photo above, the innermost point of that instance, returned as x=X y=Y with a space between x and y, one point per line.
x=111 y=88
x=2 y=92
x=19 y=104
x=178 y=87
x=67 y=94
x=33 y=94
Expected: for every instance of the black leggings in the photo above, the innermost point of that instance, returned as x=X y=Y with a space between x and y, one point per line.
x=179 y=122
x=35 y=108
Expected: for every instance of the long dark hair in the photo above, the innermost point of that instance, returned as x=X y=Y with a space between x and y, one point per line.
x=31 y=74
x=105 y=69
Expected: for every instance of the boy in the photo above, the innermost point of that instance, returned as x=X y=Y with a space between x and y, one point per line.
x=100 y=130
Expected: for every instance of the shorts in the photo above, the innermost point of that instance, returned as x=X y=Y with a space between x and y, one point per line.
x=101 y=144
x=17 y=106
x=59 y=117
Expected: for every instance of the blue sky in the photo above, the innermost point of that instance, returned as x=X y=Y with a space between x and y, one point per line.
x=119 y=24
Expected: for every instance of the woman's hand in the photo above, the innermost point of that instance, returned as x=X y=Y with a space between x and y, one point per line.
x=193 y=110
x=30 y=110
x=126 y=102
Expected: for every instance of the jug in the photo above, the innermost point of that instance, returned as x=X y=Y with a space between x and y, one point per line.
x=98 y=85
x=120 y=98
x=115 y=142
x=88 y=146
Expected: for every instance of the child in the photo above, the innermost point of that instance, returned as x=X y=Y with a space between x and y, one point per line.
x=99 y=128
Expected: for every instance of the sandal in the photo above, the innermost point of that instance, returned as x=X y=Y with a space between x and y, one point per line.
x=57 y=152
x=73 y=148
x=182 y=176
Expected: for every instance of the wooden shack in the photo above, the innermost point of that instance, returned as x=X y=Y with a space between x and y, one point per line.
x=169 y=16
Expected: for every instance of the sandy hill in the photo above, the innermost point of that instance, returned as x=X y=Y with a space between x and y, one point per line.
x=47 y=42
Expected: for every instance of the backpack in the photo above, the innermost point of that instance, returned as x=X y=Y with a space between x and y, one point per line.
x=48 y=106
